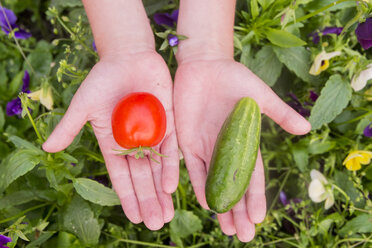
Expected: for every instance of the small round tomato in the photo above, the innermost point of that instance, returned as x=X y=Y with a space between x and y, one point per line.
x=138 y=120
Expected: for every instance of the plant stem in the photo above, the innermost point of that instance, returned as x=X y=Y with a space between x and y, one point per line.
x=280 y=189
x=24 y=106
x=74 y=35
x=136 y=242
x=23 y=212
x=343 y=193
x=183 y=195
x=303 y=18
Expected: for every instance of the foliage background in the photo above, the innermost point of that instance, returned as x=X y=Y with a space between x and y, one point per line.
x=44 y=198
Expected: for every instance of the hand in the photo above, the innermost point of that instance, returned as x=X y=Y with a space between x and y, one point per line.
x=143 y=186
x=205 y=93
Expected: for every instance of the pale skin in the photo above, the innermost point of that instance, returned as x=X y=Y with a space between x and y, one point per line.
x=208 y=83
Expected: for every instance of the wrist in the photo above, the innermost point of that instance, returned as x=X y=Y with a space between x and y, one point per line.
x=203 y=50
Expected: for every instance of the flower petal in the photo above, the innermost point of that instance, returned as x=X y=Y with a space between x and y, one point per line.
x=316 y=66
x=35 y=95
x=14 y=107
x=360 y=81
x=46 y=99
x=353 y=165
x=315 y=174
x=164 y=19
x=330 y=200
x=12 y=18
x=317 y=191
x=368 y=131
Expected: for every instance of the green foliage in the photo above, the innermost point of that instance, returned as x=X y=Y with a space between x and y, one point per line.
x=53 y=200
x=79 y=219
x=333 y=98
x=95 y=192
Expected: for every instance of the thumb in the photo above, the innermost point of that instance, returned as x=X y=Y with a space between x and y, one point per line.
x=66 y=130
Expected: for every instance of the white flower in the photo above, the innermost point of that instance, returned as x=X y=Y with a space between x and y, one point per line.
x=318 y=190
x=360 y=81
x=44 y=96
x=321 y=62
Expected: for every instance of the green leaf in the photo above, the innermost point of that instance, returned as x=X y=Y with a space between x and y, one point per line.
x=41 y=239
x=17 y=198
x=95 y=192
x=66 y=3
x=342 y=180
x=333 y=98
x=264 y=59
x=18 y=164
x=297 y=60
x=254 y=9
x=79 y=219
x=21 y=143
x=360 y=224
x=2 y=119
x=185 y=223
x=283 y=39
x=153 y=6
x=265 y=3
x=15 y=84
x=40 y=59
x=301 y=157
x=321 y=146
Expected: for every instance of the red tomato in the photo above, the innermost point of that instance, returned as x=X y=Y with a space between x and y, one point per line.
x=138 y=120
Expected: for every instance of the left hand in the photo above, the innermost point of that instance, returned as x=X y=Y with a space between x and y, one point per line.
x=205 y=93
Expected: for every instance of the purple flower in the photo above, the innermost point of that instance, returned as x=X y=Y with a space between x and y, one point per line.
x=283 y=198
x=166 y=18
x=313 y=96
x=325 y=31
x=297 y=105
x=172 y=40
x=368 y=131
x=94 y=46
x=4 y=240
x=8 y=23
x=14 y=107
x=364 y=33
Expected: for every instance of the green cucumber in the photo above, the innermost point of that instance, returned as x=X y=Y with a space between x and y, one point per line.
x=234 y=156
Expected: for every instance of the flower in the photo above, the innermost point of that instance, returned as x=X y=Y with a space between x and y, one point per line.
x=166 y=18
x=368 y=130
x=321 y=62
x=172 y=40
x=4 y=240
x=319 y=189
x=44 y=96
x=297 y=105
x=354 y=160
x=325 y=31
x=94 y=46
x=313 y=96
x=8 y=23
x=364 y=33
x=14 y=107
x=358 y=82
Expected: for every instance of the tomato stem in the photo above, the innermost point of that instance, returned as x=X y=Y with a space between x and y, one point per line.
x=139 y=152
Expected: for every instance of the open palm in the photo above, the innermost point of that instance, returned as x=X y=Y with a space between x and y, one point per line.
x=143 y=186
x=205 y=93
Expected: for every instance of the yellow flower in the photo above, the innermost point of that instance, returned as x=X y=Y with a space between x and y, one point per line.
x=44 y=96
x=355 y=158
x=321 y=62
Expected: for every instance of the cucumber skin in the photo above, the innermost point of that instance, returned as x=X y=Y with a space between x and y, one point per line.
x=234 y=156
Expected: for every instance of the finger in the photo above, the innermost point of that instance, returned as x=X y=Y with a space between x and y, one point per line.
x=117 y=167
x=142 y=178
x=244 y=227
x=284 y=115
x=170 y=163
x=66 y=130
x=198 y=177
x=256 y=199
x=165 y=199
x=227 y=223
